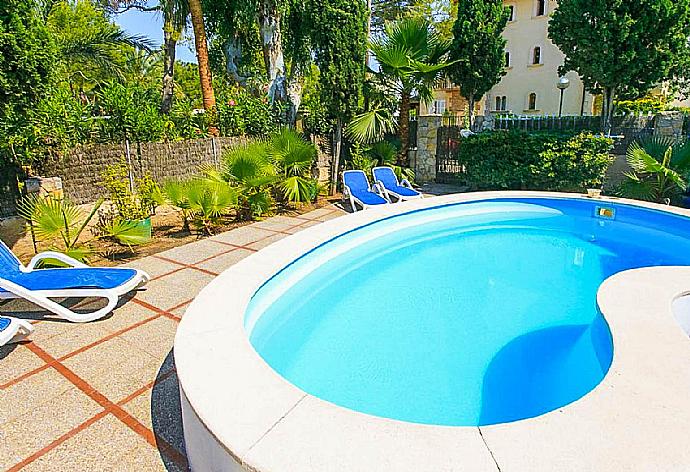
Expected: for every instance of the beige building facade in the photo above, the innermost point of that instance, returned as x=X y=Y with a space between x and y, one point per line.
x=532 y=61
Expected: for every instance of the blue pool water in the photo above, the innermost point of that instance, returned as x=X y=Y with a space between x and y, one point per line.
x=467 y=314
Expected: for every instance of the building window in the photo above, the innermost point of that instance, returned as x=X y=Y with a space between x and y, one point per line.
x=511 y=12
x=507 y=59
x=541 y=8
x=532 y=102
x=501 y=103
x=438 y=107
x=536 y=55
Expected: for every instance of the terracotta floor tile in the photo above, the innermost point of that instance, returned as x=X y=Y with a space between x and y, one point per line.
x=16 y=360
x=220 y=263
x=39 y=427
x=242 y=236
x=153 y=266
x=144 y=459
x=99 y=447
x=194 y=252
x=171 y=290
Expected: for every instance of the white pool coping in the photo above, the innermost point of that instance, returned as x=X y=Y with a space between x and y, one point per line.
x=239 y=414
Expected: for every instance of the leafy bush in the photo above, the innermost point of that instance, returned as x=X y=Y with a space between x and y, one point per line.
x=517 y=160
x=137 y=205
x=241 y=113
x=652 y=105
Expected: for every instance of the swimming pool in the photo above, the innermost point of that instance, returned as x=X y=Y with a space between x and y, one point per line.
x=240 y=413
x=464 y=315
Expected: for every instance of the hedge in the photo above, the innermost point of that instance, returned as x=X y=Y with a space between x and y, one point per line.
x=517 y=160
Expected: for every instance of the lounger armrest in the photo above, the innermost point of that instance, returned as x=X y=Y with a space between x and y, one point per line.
x=56 y=256
x=379 y=189
x=346 y=191
x=406 y=183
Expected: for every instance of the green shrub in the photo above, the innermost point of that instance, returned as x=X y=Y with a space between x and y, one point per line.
x=241 y=113
x=517 y=160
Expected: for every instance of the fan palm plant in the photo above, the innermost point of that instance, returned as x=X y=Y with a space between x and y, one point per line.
x=61 y=223
x=660 y=168
x=412 y=57
x=248 y=168
x=208 y=201
x=384 y=153
x=293 y=158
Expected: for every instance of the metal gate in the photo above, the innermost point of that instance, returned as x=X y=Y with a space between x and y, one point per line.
x=448 y=170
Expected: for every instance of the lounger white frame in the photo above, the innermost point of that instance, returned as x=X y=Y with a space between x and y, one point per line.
x=17 y=331
x=404 y=183
x=372 y=188
x=42 y=298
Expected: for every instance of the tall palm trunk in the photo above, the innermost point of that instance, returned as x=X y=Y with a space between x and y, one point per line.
x=337 y=149
x=404 y=127
x=271 y=43
x=169 y=44
x=207 y=94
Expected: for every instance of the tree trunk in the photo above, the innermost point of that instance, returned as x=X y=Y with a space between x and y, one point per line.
x=294 y=91
x=169 y=44
x=404 y=128
x=607 y=110
x=207 y=94
x=470 y=111
x=271 y=42
x=337 y=146
x=232 y=49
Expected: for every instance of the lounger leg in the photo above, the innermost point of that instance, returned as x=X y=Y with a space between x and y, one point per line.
x=61 y=311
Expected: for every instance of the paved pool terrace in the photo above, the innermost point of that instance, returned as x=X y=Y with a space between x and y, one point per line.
x=104 y=395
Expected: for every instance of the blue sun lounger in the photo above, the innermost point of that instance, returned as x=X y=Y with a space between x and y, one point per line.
x=358 y=190
x=40 y=286
x=14 y=330
x=385 y=177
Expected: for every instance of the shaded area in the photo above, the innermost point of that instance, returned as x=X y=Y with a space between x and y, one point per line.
x=544 y=370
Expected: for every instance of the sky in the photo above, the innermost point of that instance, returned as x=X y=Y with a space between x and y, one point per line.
x=150 y=24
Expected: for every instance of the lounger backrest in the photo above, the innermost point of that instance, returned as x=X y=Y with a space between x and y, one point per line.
x=387 y=176
x=9 y=264
x=356 y=180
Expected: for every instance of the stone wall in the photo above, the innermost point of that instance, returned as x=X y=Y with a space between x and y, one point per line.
x=669 y=123
x=81 y=168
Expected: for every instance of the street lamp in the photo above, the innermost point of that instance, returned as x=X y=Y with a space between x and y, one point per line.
x=563 y=83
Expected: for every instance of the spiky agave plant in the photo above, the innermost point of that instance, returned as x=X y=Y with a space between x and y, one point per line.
x=60 y=223
x=293 y=158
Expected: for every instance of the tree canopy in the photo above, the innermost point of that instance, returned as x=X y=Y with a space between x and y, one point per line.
x=27 y=53
x=622 y=47
x=478 y=48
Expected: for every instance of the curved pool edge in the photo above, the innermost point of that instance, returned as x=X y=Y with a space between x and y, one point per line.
x=241 y=415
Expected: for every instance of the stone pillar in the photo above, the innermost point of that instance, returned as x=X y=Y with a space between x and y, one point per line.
x=669 y=124
x=424 y=159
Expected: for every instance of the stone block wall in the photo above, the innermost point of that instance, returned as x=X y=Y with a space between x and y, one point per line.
x=81 y=168
x=423 y=160
x=670 y=124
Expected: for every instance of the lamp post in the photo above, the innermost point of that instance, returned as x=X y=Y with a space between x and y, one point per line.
x=563 y=83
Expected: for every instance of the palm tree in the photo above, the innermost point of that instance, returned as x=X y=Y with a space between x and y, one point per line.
x=411 y=55
x=208 y=97
x=660 y=169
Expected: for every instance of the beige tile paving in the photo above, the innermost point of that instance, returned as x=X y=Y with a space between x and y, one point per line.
x=38 y=427
x=171 y=290
x=105 y=443
x=153 y=266
x=16 y=360
x=267 y=241
x=194 y=252
x=242 y=236
x=119 y=357
x=220 y=263
x=278 y=223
